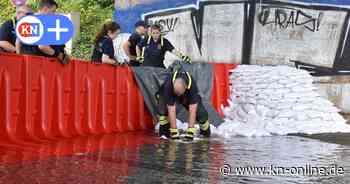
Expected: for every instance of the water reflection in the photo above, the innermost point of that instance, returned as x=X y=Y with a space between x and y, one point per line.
x=171 y=162
x=286 y=151
x=143 y=158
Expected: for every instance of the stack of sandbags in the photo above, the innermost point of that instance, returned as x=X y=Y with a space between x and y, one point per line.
x=277 y=100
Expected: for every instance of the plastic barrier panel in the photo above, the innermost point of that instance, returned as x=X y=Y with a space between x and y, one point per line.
x=221 y=86
x=44 y=101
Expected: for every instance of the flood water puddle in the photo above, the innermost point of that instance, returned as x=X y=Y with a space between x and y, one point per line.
x=143 y=158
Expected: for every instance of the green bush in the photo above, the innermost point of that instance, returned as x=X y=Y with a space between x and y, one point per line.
x=93 y=13
x=7 y=10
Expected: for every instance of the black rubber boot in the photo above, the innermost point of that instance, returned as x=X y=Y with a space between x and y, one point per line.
x=164 y=126
x=164 y=130
x=205 y=133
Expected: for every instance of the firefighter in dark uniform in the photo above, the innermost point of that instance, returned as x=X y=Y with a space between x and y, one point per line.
x=130 y=46
x=7 y=30
x=103 y=51
x=46 y=7
x=151 y=50
x=180 y=87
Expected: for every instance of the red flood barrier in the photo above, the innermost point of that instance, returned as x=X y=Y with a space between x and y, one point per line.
x=82 y=145
x=221 y=86
x=41 y=100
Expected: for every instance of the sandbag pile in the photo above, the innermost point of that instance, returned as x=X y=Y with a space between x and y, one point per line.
x=277 y=100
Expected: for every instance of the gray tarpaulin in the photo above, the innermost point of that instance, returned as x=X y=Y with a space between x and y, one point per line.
x=149 y=79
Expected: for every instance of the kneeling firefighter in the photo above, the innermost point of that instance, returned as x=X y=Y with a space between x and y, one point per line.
x=182 y=88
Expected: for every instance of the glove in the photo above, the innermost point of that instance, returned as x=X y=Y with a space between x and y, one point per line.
x=205 y=128
x=174 y=133
x=140 y=59
x=115 y=64
x=63 y=58
x=186 y=59
x=157 y=96
x=190 y=134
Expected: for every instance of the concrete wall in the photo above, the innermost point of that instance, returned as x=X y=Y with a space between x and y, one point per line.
x=248 y=31
x=284 y=33
x=215 y=36
x=265 y=32
x=336 y=89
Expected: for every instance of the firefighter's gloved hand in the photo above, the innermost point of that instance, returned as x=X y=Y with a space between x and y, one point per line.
x=174 y=133
x=186 y=59
x=190 y=134
x=140 y=59
x=63 y=58
x=205 y=128
x=115 y=64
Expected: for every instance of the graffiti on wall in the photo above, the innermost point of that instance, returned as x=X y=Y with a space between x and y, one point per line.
x=314 y=38
x=289 y=18
x=249 y=31
x=197 y=25
x=130 y=11
x=167 y=25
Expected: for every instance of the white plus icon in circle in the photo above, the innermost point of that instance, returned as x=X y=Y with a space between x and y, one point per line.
x=57 y=30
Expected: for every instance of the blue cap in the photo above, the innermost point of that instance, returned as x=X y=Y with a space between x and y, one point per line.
x=140 y=23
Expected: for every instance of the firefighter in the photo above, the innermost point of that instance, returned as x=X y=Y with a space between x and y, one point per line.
x=7 y=30
x=103 y=51
x=182 y=88
x=151 y=50
x=130 y=46
x=46 y=7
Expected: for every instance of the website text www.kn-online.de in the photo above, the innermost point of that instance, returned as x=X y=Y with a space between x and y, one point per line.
x=272 y=170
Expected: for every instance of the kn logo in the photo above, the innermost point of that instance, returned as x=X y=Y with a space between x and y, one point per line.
x=29 y=29
x=44 y=29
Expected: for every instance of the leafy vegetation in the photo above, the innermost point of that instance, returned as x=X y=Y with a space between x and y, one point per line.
x=7 y=11
x=93 y=13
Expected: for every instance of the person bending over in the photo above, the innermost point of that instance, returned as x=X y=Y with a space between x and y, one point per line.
x=182 y=88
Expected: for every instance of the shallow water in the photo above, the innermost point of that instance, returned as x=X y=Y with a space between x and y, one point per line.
x=143 y=158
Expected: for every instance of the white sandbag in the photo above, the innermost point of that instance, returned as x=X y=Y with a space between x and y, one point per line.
x=269 y=100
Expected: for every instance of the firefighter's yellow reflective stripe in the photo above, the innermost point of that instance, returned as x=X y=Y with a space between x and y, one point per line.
x=143 y=52
x=189 y=80
x=205 y=125
x=163 y=120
